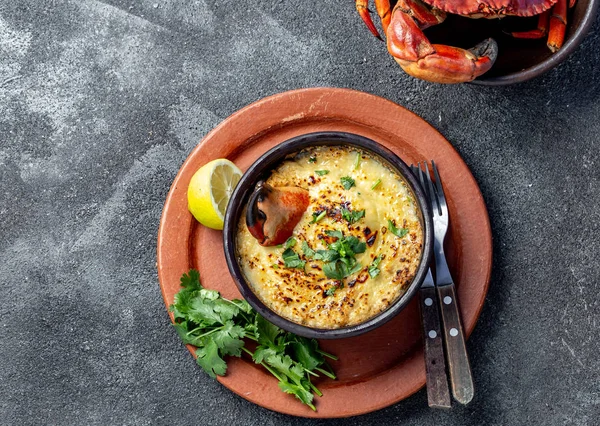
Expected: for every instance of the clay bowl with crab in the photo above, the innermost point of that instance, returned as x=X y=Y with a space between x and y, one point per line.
x=488 y=42
x=266 y=216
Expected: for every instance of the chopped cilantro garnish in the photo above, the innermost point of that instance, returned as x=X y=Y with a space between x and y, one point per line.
x=376 y=184
x=335 y=234
x=357 y=161
x=330 y=291
x=318 y=216
x=327 y=255
x=349 y=246
x=312 y=159
x=374 y=267
x=308 y=252
x=292 y=260
x=332 y=270
x=352 y=216
x=397 y=232
x=340 y=260
x=321 y=172
x=290 y=242
x=347 y=182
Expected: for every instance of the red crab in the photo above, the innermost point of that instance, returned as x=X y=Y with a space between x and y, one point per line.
x=404 y=25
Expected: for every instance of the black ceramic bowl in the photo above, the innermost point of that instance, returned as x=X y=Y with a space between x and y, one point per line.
x=518 y=60
x=261 y=170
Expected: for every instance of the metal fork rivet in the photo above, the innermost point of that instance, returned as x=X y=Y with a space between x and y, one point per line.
x=433 y=334
x=447 y=300
x=453 y=332
x=428 y=301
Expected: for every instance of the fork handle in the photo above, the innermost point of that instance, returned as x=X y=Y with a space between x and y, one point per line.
x=461 y=379
x=438 y=395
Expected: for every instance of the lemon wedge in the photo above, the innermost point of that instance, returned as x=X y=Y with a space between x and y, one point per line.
x=210 y=189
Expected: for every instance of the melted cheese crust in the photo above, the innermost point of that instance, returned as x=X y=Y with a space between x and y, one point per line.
x=301 y=295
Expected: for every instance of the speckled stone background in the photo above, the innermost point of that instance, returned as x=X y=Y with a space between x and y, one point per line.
x=101 y=102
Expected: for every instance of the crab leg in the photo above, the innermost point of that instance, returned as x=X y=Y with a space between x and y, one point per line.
x=558 y=25
x=423 y=14
x=362 y=7
x=383 y=10
x=434 y=62
x=539 y=32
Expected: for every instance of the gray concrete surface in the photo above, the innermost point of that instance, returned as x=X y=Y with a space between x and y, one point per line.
x=100 y=103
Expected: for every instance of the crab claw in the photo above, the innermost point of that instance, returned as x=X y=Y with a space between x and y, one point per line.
x=273 y=213
x=453 y=65
x=434 y=62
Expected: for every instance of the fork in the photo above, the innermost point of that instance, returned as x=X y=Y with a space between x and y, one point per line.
x=438 y=395
x=461 y=380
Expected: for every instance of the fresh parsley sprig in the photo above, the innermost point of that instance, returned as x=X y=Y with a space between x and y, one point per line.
x=218 y=327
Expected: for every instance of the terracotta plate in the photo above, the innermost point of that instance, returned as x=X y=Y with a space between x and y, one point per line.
x=381 y=367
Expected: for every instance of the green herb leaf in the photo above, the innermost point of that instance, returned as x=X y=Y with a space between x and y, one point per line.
x=333 y=270
x=242 y=305
x=355 y=269
x=306 y=351
x=330 y=291
x=352 y=216
x=292 y=260
x=321 y=172
x=357 y=161
x=340 y=260
x=318 y=216
x=312 y=159
x=191 y=280
x=299 y=392
x=374 y=267
x=376 y=184
x=327 y=255
x=266 y=332
x=397 y=232
x=207 y=312
x=208 y=358
x=347 y=182
x=229 y=339
x=307 y=251
x=290 y=242
x=335 y=234
x=356 y=245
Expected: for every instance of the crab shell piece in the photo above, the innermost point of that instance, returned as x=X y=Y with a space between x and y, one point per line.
x=492 y=8
x=273 y=213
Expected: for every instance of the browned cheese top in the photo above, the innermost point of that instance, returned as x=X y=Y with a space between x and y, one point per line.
x=302 y=280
